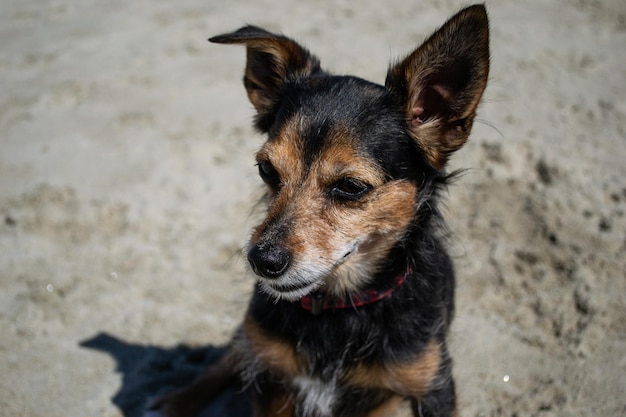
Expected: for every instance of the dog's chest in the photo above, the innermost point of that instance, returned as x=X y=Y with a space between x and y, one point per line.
x=315 y=397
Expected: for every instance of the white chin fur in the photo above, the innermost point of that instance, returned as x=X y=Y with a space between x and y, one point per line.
x=289 y=294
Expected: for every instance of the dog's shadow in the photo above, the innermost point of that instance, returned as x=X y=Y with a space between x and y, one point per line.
x=149 y=371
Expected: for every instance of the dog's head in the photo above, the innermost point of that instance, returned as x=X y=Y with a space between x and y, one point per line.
x=347 y=162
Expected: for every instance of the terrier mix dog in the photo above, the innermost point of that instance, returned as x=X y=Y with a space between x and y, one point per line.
x=355 y=289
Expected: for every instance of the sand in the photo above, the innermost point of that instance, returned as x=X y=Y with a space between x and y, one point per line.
x=127 y=189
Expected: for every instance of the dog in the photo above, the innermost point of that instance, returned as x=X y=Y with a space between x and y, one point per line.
x=355 y=290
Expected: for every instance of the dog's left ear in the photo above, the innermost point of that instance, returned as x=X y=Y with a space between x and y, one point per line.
x=272 y=62
x=441 y=83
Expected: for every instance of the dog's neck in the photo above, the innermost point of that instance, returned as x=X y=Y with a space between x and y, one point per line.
x=318 y=302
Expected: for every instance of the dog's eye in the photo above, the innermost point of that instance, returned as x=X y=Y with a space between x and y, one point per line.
x=268 y=174
x=349 y=189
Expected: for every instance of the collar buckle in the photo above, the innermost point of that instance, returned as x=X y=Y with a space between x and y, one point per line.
x=317 y=303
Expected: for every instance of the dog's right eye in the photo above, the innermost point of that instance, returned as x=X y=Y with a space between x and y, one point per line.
x=349 y=189
x=268 y=174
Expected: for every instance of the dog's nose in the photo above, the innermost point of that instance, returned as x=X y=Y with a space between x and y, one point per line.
x=269 y=261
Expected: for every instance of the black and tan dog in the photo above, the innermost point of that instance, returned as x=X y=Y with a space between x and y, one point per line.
x=355 y=289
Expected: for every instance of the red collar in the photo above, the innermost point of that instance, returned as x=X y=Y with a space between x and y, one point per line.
x=317 y=302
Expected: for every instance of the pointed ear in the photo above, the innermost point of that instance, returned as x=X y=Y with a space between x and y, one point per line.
x=272 y=61
x=440 y=84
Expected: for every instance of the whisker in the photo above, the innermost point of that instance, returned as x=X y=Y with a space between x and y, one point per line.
x=491 y=125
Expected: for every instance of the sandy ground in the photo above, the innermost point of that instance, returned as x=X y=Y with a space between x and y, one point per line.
x=127 y=187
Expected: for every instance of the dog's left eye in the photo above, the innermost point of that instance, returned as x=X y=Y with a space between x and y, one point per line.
x=349 y=189
x=268 y=174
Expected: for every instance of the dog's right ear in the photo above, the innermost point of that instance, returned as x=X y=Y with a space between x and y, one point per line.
x=272 y=61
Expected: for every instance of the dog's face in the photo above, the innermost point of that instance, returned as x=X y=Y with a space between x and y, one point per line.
x=346 y=161
x=334 y=211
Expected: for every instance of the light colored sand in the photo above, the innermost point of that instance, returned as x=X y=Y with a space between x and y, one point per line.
x=127 y=186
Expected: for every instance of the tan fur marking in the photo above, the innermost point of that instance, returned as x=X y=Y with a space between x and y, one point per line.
x=283 y=153
x=275 y=354
x=341 y=159
x=412 y=379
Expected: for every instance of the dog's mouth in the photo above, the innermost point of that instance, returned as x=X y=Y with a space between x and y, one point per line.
x=289 y=291
x=300 y=281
